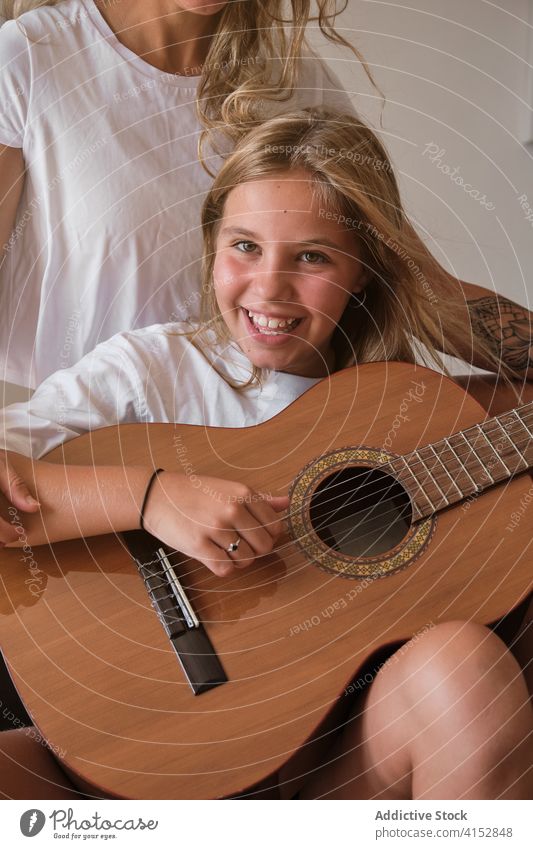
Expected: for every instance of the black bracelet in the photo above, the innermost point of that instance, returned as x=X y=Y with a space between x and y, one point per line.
x=146 y=494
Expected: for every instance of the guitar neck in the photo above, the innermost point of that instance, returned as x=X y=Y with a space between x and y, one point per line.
x=468 y=462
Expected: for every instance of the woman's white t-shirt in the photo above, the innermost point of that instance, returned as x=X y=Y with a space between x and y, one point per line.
x=107 y=236
x=154 y=374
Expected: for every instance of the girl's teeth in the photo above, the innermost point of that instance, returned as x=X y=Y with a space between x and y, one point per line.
x=261 y=321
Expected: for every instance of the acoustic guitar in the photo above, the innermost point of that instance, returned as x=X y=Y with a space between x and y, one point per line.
x=152 y=678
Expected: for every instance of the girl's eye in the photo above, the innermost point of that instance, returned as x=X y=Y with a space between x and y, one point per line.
x=314 y=258
x=245 y=247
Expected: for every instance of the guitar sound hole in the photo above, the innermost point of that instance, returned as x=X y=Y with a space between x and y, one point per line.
x=360 y=512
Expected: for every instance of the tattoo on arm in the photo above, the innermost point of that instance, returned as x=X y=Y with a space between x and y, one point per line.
x=506 y=328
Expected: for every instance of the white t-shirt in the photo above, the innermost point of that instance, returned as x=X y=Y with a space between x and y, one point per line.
x=147 y=375
x=108 y=233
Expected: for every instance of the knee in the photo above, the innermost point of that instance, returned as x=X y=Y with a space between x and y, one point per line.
x=448 y=644
x=463 y=671
x=464 y=652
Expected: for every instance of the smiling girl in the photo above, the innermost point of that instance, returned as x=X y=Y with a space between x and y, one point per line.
x=291 y=293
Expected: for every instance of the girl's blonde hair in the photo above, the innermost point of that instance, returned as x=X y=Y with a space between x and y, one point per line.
x=407 y=297
x=238 y=76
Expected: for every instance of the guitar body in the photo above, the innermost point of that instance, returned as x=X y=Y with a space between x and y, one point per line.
x=94 y=666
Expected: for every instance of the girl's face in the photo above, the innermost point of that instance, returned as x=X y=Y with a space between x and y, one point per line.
x=284 y=272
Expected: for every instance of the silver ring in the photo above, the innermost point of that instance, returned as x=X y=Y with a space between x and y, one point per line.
x=234 y=545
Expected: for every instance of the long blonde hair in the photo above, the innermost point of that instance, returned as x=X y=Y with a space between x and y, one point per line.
x=407 y=296
x=236 y=77
x=13 y=8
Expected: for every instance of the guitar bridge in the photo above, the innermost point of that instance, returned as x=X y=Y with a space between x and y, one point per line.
x=187 y=635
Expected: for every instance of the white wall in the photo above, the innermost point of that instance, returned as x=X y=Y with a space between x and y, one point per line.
x=454 y=73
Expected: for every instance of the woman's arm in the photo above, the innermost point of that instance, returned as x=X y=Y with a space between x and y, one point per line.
x=502 y=325
x=496 y=395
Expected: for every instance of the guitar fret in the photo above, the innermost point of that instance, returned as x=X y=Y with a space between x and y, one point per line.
x=489 y=473
x=495 y=467
x=454 y=469
x=447 y=473
x=473 y=457
x=498 y=456
x=454 y=452
x=518 y=461
x=528 y=447
x=432 y=479
x=522 y=422
x=420 y=509
x=452 y=481
x=517 y=449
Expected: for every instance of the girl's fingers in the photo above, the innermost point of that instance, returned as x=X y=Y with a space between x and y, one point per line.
x=244 y=556
x=267 y=512
x=279 y=503
x=257 y=537
x=7 y=533
x=262 y=523
x=254 y=523
x=216 y=559
x=253 y=542
x=16 y=490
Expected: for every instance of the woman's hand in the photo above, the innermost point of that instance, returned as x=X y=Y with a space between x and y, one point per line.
x=16 y=491
x=203 y=517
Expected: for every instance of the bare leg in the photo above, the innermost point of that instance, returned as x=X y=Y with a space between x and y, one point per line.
x=522 y=647
x=448 y=717
x=28 y=770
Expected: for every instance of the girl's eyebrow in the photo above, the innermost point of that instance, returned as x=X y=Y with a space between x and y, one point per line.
x=238 y=231
x=320 y=241
x=324 y=242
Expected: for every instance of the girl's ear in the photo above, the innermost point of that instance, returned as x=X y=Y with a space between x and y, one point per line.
x=363 y=279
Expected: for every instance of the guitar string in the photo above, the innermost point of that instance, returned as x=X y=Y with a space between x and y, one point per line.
x=324 y=524
x=287 y=557
x=386 y=489
x=470 y=451
x=325 y=517
x=292 y=553
x=345 y=499
x=434 y=466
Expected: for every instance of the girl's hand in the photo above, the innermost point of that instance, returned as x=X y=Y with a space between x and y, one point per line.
x=16 y=491
x=202 y=517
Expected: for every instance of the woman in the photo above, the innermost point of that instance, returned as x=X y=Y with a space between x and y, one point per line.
x=310 y=264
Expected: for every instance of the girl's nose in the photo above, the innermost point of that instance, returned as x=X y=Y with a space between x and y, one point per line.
x=274 y=282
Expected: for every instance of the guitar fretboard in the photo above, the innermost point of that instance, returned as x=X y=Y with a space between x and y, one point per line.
x=468 y=462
